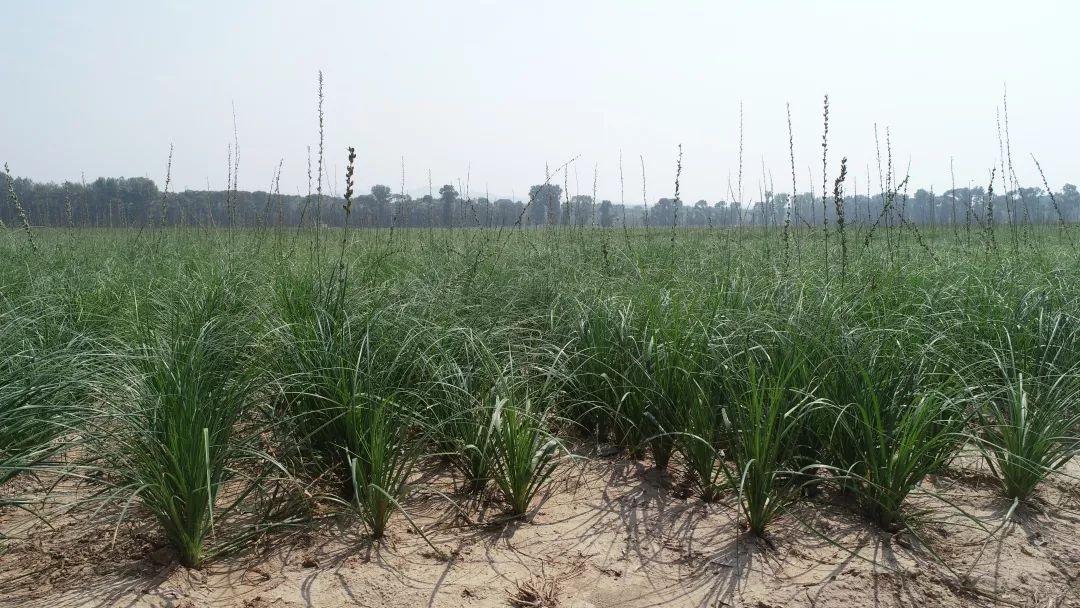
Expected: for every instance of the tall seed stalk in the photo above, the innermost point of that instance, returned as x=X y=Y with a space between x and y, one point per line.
x=19 y=209
x=825 y=185
x=838 y=203
x=164 y=212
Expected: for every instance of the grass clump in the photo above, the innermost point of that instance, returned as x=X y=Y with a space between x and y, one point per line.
x=886 y=430
x=346 y=379
x=460 y=408
x=380 y=460
x=766 y=414
x=178 y=431
x=1024 y=438
x=1029 y=411
x=40 y=392
x=702 y=437
x=524 y=454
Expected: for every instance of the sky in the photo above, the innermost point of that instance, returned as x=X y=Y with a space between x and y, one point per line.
x=486 y=94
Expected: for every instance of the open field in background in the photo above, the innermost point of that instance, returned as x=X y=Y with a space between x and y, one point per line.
x=605 y=416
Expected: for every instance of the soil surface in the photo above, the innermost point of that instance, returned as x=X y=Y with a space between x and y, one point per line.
x=608 y=533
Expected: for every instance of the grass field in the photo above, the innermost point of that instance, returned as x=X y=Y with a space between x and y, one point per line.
x=229 y=386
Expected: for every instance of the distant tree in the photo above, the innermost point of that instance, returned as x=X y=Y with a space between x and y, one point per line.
x=663 y=212
x=504 y=212
x=425 y=211
x=582 y=206
x=1070 y=202
x=448 y=196
x=605 y=213
x=381 y=212
x=483 y=212
x=735 y=213
x=720 y=212
x=544 y=204
x=923 y=208
x=780 y=208
x=700 y=214
x=401 y=209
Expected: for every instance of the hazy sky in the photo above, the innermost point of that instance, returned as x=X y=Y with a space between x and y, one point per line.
x=104 y=88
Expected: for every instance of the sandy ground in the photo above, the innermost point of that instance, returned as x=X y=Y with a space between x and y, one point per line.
x=608 y=533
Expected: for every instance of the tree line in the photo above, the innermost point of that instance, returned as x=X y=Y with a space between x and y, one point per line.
x=138 y=201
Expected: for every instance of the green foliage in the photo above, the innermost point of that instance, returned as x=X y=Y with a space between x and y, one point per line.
x=346 y=378
x=523 y=454
x=40 y=387
x=887 y=429
x=765 y=415
x=460 y=406
x=1024 y=438
x=704 y=431
x=179 y=397
x=380 y=460
x=343 y=367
